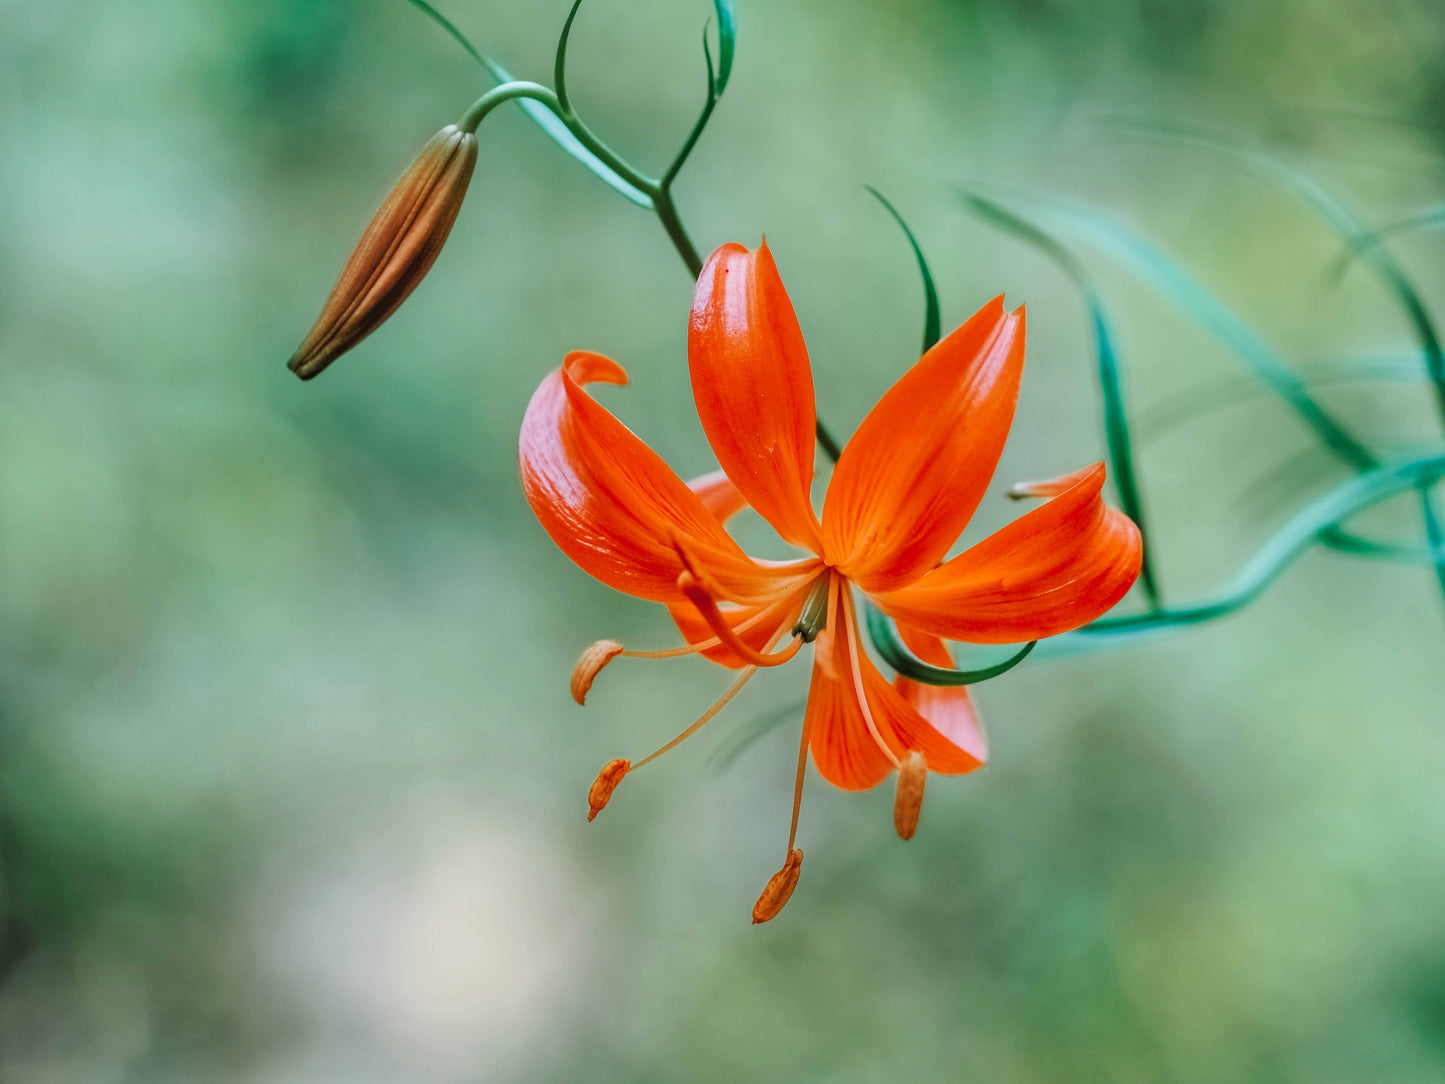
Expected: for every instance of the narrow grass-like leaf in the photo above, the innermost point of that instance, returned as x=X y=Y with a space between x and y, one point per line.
x=1342 y=220
x=1432 y=217
x=1304 y=528
x=1193 y=403
x=932 y=322
x=1106 y=363
x=896 y=654
x=543 y=117
x=727 y=35
x=1156 y=270
x=1354 y=232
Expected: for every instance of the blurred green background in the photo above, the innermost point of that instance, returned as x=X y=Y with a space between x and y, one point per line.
x=291 y=787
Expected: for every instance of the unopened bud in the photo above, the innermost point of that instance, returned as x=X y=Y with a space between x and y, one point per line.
x=606 y=782
x=779 y=888
x=396 y=251
x=590 y=665
x=908 y=803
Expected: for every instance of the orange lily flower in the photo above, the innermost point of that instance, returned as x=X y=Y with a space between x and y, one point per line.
x=903 y=490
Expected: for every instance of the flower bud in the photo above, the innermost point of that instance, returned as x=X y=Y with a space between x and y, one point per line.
x=908 y=802
x=396 y=251
x=779 y=888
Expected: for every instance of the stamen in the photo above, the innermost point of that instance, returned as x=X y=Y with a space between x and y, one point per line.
x=855 y=648
x=601 y=791
x=590 y=665
x=722 y=702
x=908 y=803
x=689 y=584
x=779 y=888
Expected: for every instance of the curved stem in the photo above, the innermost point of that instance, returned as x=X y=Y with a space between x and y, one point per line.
x=517 y=88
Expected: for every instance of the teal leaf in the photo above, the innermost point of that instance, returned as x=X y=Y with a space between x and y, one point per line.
x=543 y=117
x=932 y=323
x=1347 y=499
x=727 y=33
x=1156 y=270
x=1107 y=365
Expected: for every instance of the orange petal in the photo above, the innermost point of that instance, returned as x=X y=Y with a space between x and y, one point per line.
x=718 y=495
x=612 y=504
x=754 y=388
x=949 y=709
x=844 y=749
x=910 y=479
x=757 y=626
x=1054 y=569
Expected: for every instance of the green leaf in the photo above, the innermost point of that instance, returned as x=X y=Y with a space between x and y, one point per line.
x=1155 y=269
x=1432 y=217
x=1304 y=528
x=543 y=117
x=1354 y=231
x=1106 y=361
x=896 y=654
x=1191 y=403
x=1342 y=220
x=727 y=33
x=932 y=324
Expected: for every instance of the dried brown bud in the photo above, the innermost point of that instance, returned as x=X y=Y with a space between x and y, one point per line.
x=590 y=665
x=605 y=783
x=779 y=888
x=912 y=776
x=395 y=252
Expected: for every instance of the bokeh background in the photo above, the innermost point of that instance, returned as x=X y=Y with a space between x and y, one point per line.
x=291 y=787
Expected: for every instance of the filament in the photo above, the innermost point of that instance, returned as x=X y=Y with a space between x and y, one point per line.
x=854 y=649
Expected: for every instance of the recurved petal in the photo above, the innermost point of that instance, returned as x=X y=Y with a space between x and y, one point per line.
x=612 y=504
x=757 y=626
x=1052 y=570
x=718 y=494
x=845 y=750
x=949 y=709
x=754 y=388
x=400 y=244
x=910 y=479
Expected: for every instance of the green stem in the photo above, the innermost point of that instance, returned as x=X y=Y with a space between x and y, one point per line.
x=518 y=88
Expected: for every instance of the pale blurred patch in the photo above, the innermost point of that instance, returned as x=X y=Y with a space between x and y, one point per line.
x=449 y=944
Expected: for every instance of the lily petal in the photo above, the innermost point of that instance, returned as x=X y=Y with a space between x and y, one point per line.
x=611 y=503
x=757 y=626
x=1052 y=570
x=754 y=387
x=718 y=494
x=949 y=709
x=910 y=479
x=844 y=749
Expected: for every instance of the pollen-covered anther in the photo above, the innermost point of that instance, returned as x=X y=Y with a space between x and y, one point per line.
x=590 y=665
x=605 y=783
x=908 y=803
x=779 y=888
